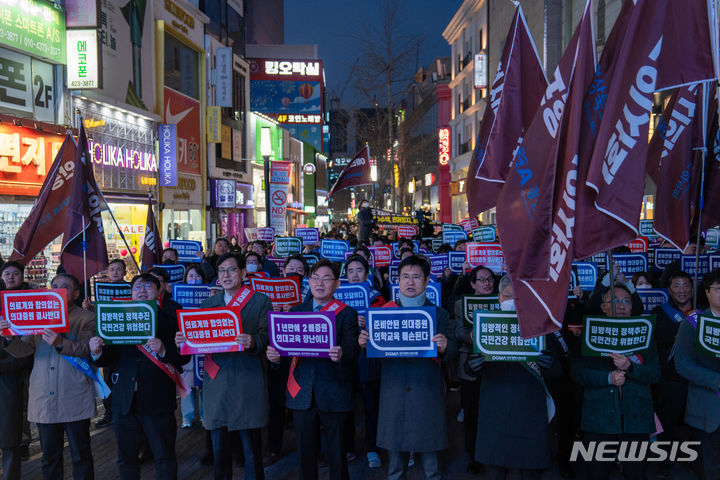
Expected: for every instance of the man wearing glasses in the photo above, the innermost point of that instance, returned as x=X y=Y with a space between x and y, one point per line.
x=617 y=404
x=143 y=391
x=321 y=390
x=235 y=397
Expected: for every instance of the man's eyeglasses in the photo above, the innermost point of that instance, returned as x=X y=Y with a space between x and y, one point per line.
x=484 y=279
x=142 y=286
x=229 y=270
x=325 y=280
x=621 y=301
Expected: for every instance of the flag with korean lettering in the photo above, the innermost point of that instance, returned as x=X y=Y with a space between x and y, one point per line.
x=357 y=172
x=639 y=59
x=151 y=251
x=515 y=94
x=47 y=218
x=711 y=192
x=535 y=209
x=84 y=214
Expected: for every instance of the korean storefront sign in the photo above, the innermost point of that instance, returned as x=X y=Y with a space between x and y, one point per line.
x=167 y=136
x=25 y=158
x=27 y=85
x=35 y=27
x=83 y=66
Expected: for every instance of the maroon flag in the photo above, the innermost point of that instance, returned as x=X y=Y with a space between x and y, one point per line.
x=536 y=208
x=151 y=253
x=515 y=94
x=48 y=216
x=711 y=200
x=674 y=164
x=357 y=172
x=84 y=214
x=637 y=61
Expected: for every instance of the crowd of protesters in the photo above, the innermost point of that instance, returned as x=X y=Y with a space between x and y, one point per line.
x=670 y=393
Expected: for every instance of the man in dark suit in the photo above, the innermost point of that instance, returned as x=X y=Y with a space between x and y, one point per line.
x=144 y=393
x=235 y=395
x=323 y=392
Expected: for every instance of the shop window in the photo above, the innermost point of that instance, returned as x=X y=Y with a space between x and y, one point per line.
x=181 y=67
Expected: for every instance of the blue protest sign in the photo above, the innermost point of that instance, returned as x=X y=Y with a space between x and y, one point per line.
x=687 y=264
x=304 y=289
x=599 y=258
x=452 y=236
x=167 y=139
x=438 y=264
x=396 y=248
x=652 y=297
x=192 y=296
x=630 y=263
x=309 y=236
x=647 y=228
x=355 y=295
x=714 y=261
x=177 y=272
x=433 y=292
x=587 y=274
x=456 y=260
x=712 y=238
x=198 y=369
x=401 y=332
x=311 y=259
x=186 y=250
x=486 y=233
x=436 y=244
x=334 y=249
x=665 y=256
x=345 y=281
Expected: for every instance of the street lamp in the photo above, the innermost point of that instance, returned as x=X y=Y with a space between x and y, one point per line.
x=265 y=152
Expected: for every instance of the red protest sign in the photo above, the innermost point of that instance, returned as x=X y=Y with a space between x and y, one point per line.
x=210 y=330
x=29 y=312
x=487 y=254
x=382 y=255
x=406 y=231
x=639 y=245
x=468 y=224
x=281 y=291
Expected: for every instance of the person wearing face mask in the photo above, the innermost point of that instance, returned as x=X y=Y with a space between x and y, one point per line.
x=412 y=391
x=482 y=281
x=617 y=404
x=365 y=222
x=267 y=266
x=170 y=256
x=253 y=262
x=513 y=428
x=641 y=280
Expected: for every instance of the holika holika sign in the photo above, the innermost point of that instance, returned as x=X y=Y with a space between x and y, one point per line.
x=126 y=323
x=470 y=303
x=624 y=335
x=497 y=337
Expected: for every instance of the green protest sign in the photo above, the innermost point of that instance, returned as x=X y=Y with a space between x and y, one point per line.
x=624 y=335
x=286 y=246
x=497 y=337
x=126 y=323
x=470 y=303
x=486 y=233
x=708 y=335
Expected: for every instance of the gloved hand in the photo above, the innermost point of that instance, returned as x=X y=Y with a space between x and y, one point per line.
x=474 y=364
x=545 y=359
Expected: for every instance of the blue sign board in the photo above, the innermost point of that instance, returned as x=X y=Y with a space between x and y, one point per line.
x=630 y=263
x=665 y=256
x=652 y=297
x=192 y=296
x=396 y=248
x=456 y=260
x=177 y=272
x=311 y=259
x=486 y=233
x=186 y=250
x=198 y=369
x=687 y=264
x=433 y=292
x=309 y=236
x=167 y=139
x=334 y=249
x=452 y=236
x=401 y=332
x=355 y=295
x=587 y=274
x=438 y=264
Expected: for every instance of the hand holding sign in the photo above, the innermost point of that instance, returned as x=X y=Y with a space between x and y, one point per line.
x=180 y=338
x=246 y=341
x=336 y=353
x=96 y=345
x=617 y=378
x=52 y=338
x=363 y=338
x=156 y=346
x=272 y=354
x=620 y=361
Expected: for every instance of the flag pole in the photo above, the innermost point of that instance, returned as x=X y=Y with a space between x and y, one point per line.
x=86 y=283
x=611 y=274
x=701 y=199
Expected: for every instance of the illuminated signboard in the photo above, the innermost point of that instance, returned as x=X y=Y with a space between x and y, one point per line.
x=480 y=76
x=35 y=27
x=444 y=146
x=25 y=158
x=115 y=156
x=82 y=59
x=283 y=118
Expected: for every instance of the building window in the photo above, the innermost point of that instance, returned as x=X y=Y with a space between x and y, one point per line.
x=181 y=67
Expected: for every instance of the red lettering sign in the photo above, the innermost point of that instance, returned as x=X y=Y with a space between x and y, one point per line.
x=382 y=255
x=25 y=158
x=210 y=330
x=444 y=146
x=29 y=312
x=281 y=291
x=486 y=254
x=639 y=245
x=406 y=231
x=468 y=224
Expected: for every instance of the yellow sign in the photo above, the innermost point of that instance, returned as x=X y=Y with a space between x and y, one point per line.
x=226 y=134
x=213 y=124
x=396 y=174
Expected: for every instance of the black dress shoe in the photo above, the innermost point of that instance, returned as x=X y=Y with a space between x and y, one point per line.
x=105 y=421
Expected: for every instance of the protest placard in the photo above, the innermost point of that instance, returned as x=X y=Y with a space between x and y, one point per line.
x=187 y=250
x=396 y=248
x=382 y=255
x=712 y=238
x=639 y=245
x=309 y=236
x=266 y=234
x=468 y=224
x=311 y=259
x=708 y=335
x=192 y=296
x=355 y=295
x=470 y=303
x=652 y=297
x=665 y=256
x=280 y=291
x=406 y=231
x=438 y=264
x=630 y=263
x=401 y=332
x=497 y=337
x=126 y=323
x=286 y=246
x=108 y=291
x=334 y=249
x=198 y=370
x=625 y=335
x=302 y=334
x=486 y=233
x=210 y=330
x=647 y=228
x=177 y=272
x=29 y=312
x=456 y=260
x=489 y=255
x=587 y=274
x=688 y=262
x=452 y=236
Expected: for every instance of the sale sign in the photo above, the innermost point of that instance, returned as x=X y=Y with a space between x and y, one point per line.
x=29 y=312
x=280 y=291
x=210 y=330
x=302 y=334
x=383 y=255
x=486 y=254
x=406 y=231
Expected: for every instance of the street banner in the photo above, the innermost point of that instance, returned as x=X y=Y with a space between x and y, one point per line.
x=652 y=297
x=486 y=233
x=302 y=334
x=177 y=272
x=334 y=249
x=108 y=292
x=438 y=264
x=186 y=250
x=497 y=337
x=625 y=335
x=639 y=245
x=311 y=259
x=192 y=296
x=151 y=252
x=470 y=303
x=456 y=260
x=280 y=291
x=279 y=187
x=355 y=295
x=707 y=340
x=210 y=330
x=452 y=236
x=198 y=369
x=401 y=332
x=406 y=231
x=630 y=263
x=126 y=323
x=665 y=256
x=267 y=234
x=382 y=256
x=29 y=312
x=309 y=236
x=688 y=264
x=488 y=255
x=286 y=246
x=517 y=89
x=357 y=172
x=433 y=293
x=587 y=274
x=396 y=248
x=167 y=166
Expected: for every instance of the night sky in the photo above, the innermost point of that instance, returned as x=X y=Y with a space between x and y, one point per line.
x=328 y=24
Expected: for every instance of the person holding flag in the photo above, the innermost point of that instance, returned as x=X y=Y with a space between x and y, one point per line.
x=62 y=386
x=146 y=378
x=320 y=390
x=413 y=388
x=235 y=395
